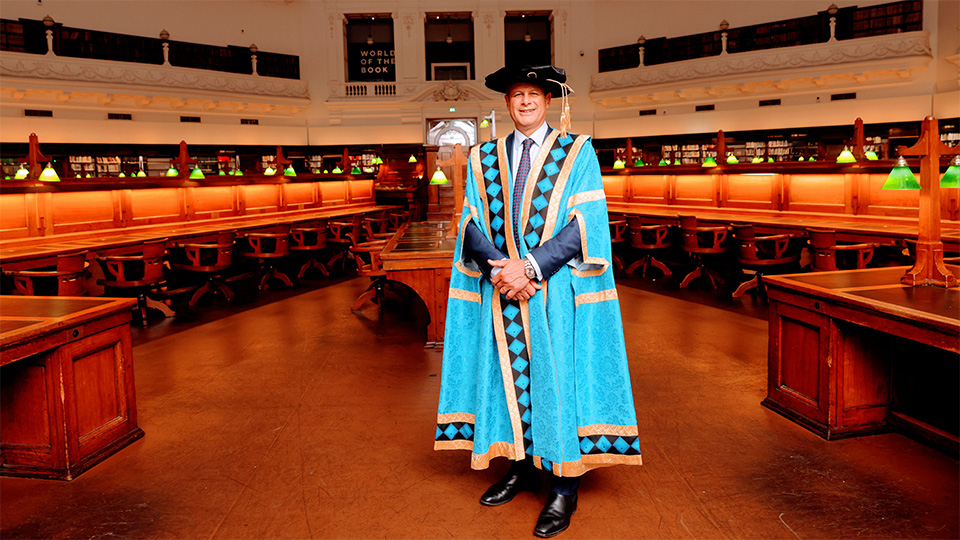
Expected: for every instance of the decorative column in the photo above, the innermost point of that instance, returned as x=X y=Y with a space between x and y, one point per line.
x=832 y=10
x=164 y=35
x=48 y=22
x=253 y=58
x=929 y=268
x=640 y=41
x=723 y=36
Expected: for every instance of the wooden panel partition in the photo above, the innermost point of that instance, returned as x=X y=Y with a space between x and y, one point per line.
x=34 y=209
x=153 y=206
x=822 y=188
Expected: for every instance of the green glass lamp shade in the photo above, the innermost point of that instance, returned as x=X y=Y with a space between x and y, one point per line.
x=870 y=155
x=901 y=177
x=800 y=158
x=21 y=173
x=663 y=162
x=732 y=160
x=757 y=159
x=413 y=159
x=639 y=163
x=951 y=178
x=270 y=171
x=172 y=172
x=141 y=174
x=87 y=175
x=121 y=175
x=484 y=123
x=325 y=171
x=846 y=157
x=676 y=162
x=812 y=158
x=7 y=177
x=438 y=178
x=355 y=170
x=337 y=170
x=289 y=171
x=49 y=175
x=196 y=174
x=618 y=164
x=709 y=162
x=221 y=173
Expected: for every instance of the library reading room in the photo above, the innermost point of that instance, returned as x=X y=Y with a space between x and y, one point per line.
x=246 y=248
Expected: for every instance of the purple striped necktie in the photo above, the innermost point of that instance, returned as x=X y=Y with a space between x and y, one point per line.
x=523 y=169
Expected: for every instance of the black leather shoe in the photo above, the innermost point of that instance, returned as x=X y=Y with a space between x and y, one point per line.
x=555 y=516
x=507 y=488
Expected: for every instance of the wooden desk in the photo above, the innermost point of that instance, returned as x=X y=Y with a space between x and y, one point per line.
x=67 y=397
x=421 y=257
x=840 y=341
x=41 y=251
x=887 y=231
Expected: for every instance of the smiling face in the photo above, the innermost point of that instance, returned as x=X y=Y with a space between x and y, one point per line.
x=528 y=106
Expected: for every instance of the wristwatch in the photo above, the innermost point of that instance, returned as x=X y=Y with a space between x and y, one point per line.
x=529 y=270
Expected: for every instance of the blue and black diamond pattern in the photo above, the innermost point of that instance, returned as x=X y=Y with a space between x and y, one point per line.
x=520 y=366
x=455 y=431
x=491 y=183
x=546 y=180
x=610 y=444
x=512 y=319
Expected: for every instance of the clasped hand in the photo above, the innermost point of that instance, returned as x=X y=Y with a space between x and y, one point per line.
x=512 y=280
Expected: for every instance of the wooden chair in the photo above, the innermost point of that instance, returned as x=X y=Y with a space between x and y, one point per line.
x=137 y=274
x=764 y=254
x=648 y=239
x=699 y=242
x=341 y=235
x=618 y=226
x=268 y=248
x=827 y=255
x=398 y=218
x=367 y=257
x=67 y=278
x=209 y=259
x=310 y=240
x=376 y=225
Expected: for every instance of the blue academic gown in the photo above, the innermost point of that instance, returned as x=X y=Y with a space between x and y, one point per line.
x=545 y=377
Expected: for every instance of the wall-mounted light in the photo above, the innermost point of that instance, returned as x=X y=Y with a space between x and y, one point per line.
x=526 y=37
x=438 y=178
x=846 y=156
x=49 y=175
x=901 y=177
x=951 y=178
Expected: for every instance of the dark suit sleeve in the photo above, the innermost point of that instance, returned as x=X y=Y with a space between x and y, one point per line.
x=555 y=252
x=478 y=249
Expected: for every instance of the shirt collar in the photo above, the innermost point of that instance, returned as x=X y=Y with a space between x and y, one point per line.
x=538 y=136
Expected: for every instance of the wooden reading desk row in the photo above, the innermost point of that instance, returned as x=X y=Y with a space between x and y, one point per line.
x=66 y=370
x=886 y=231
x=852 y=352
x=43 y=250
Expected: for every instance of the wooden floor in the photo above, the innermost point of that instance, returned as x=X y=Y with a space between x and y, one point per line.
x=291 y=417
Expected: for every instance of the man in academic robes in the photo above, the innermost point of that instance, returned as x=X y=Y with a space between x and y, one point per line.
x=534 y=363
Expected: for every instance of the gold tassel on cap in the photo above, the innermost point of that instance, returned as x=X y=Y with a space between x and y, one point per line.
x=564 y=107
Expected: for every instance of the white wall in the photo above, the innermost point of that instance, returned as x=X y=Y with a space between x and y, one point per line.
x=313 y=31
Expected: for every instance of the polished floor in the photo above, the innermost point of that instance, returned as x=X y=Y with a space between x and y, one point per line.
x=292 y=417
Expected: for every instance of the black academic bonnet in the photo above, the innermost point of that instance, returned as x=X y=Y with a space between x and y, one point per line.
x=546 y=77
